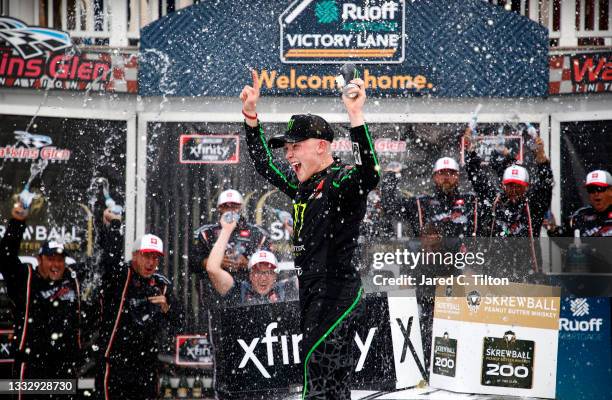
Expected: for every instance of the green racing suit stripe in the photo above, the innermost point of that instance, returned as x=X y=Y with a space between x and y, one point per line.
x=372 y=148
x=271 y=159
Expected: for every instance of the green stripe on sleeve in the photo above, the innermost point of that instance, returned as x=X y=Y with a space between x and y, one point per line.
x=372 y=149
x=270 y=159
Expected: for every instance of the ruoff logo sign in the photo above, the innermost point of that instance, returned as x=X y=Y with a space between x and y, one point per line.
x=335 y=31
x=580 y=308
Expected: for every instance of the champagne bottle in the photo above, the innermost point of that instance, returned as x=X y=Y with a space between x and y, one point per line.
x=183 y=388
x=165 y=389
x=197 y=388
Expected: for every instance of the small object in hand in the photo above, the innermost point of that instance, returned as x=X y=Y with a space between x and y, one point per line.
x=348 y=72
x=231 y=216
x=113 y=207
x=26 y=197
x=395 y=166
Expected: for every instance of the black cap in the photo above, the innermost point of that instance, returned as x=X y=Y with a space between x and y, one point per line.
x=301 y=127
x=51 y=248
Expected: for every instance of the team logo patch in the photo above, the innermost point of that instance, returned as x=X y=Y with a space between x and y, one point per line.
x=473 y=299
x=356 y=153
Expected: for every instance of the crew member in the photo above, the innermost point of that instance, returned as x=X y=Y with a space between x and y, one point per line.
x=517 y=211
x=137 y=305
x=46 y=342
x=245 y=239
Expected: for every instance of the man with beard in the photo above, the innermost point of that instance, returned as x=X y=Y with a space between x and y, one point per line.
x=329 y=203
x=440 y=222
x=453 y=212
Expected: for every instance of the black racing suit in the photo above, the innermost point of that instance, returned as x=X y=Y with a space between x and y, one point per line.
x=512 y=226
x=130 y=325
x=46 y=342
x=327 y=211
x=588 y=221
x=453 y=216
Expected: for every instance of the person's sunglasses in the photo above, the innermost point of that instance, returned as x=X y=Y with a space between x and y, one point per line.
x=596 y=189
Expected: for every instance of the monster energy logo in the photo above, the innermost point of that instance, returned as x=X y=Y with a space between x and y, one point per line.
x=298 y=217
x=290 y=124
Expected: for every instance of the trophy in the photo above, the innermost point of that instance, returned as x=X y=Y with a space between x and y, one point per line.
x=108 y=200
x=26 y=197
x=348 y=72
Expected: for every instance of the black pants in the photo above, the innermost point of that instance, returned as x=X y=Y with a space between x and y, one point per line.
x=115 y=382
x=331 y=312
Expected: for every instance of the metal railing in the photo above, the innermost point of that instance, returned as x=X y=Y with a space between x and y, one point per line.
x=117 y=23
x=570 y=23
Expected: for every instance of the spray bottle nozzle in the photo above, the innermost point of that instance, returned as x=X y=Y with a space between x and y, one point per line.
x=26 y=197
x=577 y=240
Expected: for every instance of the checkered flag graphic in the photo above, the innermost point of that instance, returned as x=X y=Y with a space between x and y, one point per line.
x=32 y=41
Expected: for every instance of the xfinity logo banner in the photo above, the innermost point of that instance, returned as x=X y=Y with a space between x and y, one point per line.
x=6 y=337
x=193 y=350
x=336 y=31
x=258 y=348
x=209 y=149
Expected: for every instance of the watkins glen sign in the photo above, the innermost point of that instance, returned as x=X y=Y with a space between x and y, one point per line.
x=33 y=148
x=332 y=31
x=39 y=58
